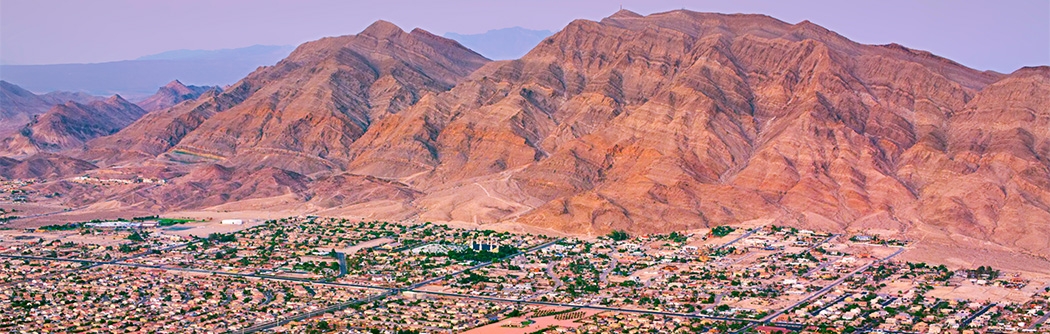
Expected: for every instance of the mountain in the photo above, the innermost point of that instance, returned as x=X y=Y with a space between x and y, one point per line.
x=249 y=54
x=670 y=121
x=303 y=113
x=18 y=106
x=140 y=78
x=70 y=125
x=506 y=43
x=173 y=93
x=677 y=120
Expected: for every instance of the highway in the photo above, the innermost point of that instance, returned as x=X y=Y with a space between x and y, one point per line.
x=87 y=263
x=591 y=307
x=60 y=259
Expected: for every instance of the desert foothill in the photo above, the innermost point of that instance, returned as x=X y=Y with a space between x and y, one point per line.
x=708 y=167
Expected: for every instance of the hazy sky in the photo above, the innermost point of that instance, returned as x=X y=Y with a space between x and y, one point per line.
x=996 y=35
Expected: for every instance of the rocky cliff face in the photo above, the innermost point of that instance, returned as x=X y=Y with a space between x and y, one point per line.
x=663 y=122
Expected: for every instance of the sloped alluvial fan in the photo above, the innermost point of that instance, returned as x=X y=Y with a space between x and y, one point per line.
x=42 y=166
x=663 y=122
x=70 y=125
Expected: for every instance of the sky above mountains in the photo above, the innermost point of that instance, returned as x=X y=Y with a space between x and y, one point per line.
x=1001 y=35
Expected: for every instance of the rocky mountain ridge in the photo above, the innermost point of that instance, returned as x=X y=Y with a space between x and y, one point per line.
x=654 y=123
x=69 y=125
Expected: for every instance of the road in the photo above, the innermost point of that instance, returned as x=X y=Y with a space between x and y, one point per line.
x=822 y=291
x=52 y=213
x=821 y=266
x=267 y=297
x=581 y=306
x=42 y=258
x=87 y=263
x=826 y=263
x=604 y=276
x=888 y=301
x=832 y=303
x=723 y=265
x=968 y=320
x=302 y=316
x=1040 y=321
x=48 y=213
x=741 y=237
x=718 y=300
x=199 y=271
x=883 y=331
x=811 y=248
x=554 y=277
x=342 y=263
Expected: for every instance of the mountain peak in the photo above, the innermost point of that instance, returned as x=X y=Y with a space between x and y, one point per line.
x=175 y=84
x=1032 y=70
x=623 y=13
x=177 y=87
x=173 y=93
x=381 y=28
x=116 y=98
x=810 y=26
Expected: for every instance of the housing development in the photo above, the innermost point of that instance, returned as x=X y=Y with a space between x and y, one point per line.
x=312 y=274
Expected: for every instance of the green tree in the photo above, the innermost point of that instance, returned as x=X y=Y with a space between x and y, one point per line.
x=619 y=235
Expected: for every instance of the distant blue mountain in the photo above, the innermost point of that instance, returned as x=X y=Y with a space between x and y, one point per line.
x=277 y=52
x=501 y=44
x=140 y=78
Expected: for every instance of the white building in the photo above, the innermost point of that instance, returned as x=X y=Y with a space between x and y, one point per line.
x=233 y=222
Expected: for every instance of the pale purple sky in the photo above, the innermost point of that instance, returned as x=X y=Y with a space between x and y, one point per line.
x=995 y=35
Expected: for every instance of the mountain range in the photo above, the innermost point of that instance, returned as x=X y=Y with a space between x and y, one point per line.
x=138 y=78
x=18 y=106
x=59 y=121
x=501 y=44
x=670 y=121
